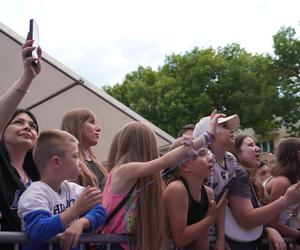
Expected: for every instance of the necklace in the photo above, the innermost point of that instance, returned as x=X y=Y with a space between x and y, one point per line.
x=23 y=178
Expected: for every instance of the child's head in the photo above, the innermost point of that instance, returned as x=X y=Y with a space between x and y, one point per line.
x=201 y=167
x=57 y=151
x=136 y=142
x=288 y=159
x=81 y=122
x=226 y=127
x=186 y=130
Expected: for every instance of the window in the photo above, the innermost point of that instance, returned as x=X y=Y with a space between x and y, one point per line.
x=266 y=146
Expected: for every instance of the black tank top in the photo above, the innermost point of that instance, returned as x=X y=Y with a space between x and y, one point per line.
x=197 y=210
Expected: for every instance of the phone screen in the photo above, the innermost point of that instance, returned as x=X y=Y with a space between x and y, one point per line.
x=34 y=34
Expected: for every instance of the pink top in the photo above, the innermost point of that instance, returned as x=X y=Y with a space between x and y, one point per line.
x=124 y=220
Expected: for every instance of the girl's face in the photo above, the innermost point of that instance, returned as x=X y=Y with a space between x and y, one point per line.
x=224 y=137
x=22 y=131
x=90 y=132
x=203 y=165
x=249 y=153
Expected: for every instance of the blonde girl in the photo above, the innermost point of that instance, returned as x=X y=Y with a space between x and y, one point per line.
x=138 y=167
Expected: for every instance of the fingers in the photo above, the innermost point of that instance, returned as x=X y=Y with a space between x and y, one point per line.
x=213 y=113
x=66 y=240
x=39 y=52
x=27 y=43
x=27 y=51
x=75 y=240
x=223 y=201
x=298 y=185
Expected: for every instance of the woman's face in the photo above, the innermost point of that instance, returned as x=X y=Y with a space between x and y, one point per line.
x=249 y=153
x=90 y=132
x=21 y=132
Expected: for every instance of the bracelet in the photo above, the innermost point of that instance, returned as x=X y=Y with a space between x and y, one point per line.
x=283 y=202
x=211 y=137
x=208 y=138
x=188 y=148
x=22 y=91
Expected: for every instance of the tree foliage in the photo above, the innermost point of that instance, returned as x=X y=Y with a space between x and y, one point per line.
x=262 y=89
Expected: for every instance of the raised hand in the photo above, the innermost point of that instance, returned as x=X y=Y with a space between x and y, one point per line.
x=215 y=209
x=70 y=236
x=31 y=65
x=214 y=122
x=87 y=199
x=292 y=195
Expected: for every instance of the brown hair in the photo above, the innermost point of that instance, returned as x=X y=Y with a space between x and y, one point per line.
x=137 y=143
x=72 y=122
x=172 y=174
x=238 y=142
x=185 y=128
x=51 y=142
x=287 y=159
x=111 y=160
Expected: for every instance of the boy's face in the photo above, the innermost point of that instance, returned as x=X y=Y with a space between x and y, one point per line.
x=70 y=163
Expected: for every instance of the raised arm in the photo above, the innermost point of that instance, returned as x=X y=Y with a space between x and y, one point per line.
x=10 y=100
x=249 y=217
x=125 y=175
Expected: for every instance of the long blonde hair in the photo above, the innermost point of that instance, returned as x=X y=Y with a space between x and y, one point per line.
x=137 y=143
x=72 y=122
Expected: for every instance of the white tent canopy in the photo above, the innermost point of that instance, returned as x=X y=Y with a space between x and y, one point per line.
x=58 y=89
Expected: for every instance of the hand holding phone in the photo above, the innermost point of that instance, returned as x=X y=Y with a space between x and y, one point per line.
x=34 y=35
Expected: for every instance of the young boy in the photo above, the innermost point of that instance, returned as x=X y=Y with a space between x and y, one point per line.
x=55 y=205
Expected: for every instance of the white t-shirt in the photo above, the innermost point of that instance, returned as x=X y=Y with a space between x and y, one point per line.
x=40 y=196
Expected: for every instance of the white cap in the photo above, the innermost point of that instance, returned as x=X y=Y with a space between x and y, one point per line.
x=202 y=126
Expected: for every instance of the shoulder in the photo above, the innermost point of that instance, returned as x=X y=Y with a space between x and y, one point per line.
x=229 y=156
x=175 y=190
x=281 y=182
x=36 y=197
x=174 y=186
x=210 y=192
x=72 y=187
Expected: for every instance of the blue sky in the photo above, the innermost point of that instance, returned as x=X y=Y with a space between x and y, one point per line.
x=104 y=40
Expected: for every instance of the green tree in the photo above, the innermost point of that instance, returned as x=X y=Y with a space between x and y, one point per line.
x=189 y=86
x=287 y=62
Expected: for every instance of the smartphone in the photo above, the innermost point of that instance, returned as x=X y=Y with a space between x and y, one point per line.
x=34 y=35
x=226 y=187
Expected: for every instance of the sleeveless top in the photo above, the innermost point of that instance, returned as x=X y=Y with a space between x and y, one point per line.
x=284 y=215
x=196 y=210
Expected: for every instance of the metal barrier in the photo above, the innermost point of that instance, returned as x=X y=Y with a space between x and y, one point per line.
x=106 y=239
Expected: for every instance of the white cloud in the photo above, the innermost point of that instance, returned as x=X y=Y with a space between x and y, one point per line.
x=104 y=40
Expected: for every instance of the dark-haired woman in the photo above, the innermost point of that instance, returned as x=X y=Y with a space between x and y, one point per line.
x=18 y=129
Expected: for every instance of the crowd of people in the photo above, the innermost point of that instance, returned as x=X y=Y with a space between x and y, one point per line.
x=211 y=182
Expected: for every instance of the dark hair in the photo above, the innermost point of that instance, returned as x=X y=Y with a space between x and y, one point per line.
x=28 y=164
x=185 y=128
x=21 y=111
x=287 y=159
